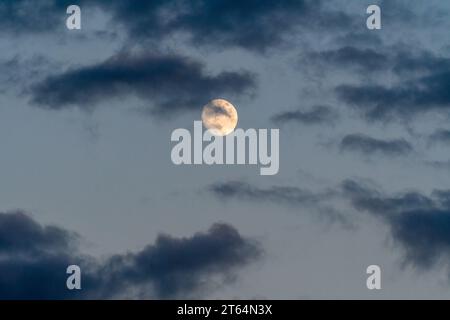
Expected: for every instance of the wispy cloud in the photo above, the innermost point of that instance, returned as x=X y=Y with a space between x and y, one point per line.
x=367 y=145
x=34 y=259
x=314 y=116
x=171 y=83
x=290 y=196
x=419 y=223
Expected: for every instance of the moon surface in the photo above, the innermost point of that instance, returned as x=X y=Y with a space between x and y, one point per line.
x=220 y=117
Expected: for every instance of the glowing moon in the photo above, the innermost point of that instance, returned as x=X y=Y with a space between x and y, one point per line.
x=220 y=117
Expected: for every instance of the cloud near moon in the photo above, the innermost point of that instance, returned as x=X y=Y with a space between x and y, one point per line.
x=220 y=117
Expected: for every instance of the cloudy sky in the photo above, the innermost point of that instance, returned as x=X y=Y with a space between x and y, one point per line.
x=86 y=175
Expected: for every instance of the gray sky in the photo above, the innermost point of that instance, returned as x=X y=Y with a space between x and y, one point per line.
x=88 y=150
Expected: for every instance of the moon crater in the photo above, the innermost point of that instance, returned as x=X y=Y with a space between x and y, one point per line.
x=220 y=117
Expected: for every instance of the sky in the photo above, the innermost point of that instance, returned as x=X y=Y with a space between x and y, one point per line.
x=86 y=118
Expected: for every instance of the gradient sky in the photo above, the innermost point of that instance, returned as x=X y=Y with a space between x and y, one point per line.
x=86 y=176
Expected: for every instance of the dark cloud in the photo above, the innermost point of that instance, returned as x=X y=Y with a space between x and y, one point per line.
x=26 y=16
x=401 y=60
x=18 y=71
x=214 y=110
x=422 y=81
x=278 y=194
x=368 y=146
x=419 y=223
x=403 y=101
x=293 y=197
x=409 y=61
x=34 y=260
x=364 y=58
x=440 y=136
x=253 y=24
x=170 y=83
x=179 y=267
x=419 y=79
x=317 y=115
x=250 y=24
x=368 y=198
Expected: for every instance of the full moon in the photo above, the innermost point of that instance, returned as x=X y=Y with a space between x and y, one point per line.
x=220 y=117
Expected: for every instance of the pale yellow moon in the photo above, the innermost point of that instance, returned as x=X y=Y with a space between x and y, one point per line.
x=220 y=117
